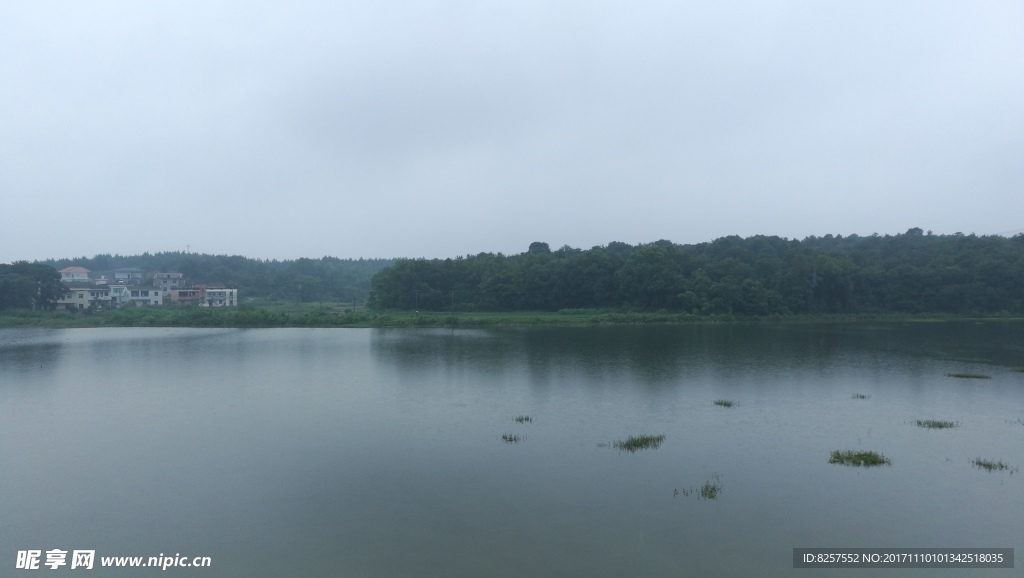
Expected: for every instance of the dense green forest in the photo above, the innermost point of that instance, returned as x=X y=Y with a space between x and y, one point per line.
x=328 y=278
x=909 y=273
x=25 y=285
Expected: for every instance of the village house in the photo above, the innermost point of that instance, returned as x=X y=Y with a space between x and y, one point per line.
x=168 y=281
x=128 y=276
x=194 y=295
x=85 y=297
x=141 y=295
x=119 y=294
x=220 y=297
x=74 y=275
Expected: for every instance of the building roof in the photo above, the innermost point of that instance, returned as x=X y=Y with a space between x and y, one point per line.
x=74 y=270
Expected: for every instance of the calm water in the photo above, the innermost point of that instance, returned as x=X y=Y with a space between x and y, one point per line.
x=297 y=452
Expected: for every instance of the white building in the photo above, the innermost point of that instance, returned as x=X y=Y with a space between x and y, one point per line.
x=74 y=275
x=118 y=294
x=85 y=297
x=141 y=295
x=221 y=298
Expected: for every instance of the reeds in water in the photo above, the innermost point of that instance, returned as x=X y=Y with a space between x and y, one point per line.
x=936 y=424
x=864 y=459
x=641 y=442
x=991 y=466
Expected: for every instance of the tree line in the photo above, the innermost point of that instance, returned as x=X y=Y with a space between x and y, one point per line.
x=907 y=273
x=911 y=273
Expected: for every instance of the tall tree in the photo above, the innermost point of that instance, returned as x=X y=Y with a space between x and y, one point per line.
x=30 y=285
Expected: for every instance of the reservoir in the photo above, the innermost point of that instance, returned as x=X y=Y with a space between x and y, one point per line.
x=502 y=452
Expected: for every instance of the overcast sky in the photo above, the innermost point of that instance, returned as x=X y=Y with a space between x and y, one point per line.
x=433 y=129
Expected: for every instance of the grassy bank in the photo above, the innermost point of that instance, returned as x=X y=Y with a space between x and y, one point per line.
x=324 y=314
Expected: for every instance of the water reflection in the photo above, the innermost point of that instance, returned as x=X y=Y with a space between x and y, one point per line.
x=658 y=354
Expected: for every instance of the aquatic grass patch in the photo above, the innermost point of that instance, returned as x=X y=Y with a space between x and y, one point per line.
x=936 y=424
x=641 y=442
x=510 y=438
x=522 y=419
x=860 y=459
x=709 y=490
x=969 y=375
x=723 y=402
x=991 y=466
x=860 y=396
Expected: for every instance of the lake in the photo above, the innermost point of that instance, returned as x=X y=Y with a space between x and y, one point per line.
x=397 y=452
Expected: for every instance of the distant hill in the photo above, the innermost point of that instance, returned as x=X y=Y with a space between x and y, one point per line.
x=913 y=272
x=327 y=278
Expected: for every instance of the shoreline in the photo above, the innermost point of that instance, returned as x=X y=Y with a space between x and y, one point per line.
x=328 y=317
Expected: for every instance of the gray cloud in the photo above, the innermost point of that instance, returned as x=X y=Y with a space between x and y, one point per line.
x=442 y=128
